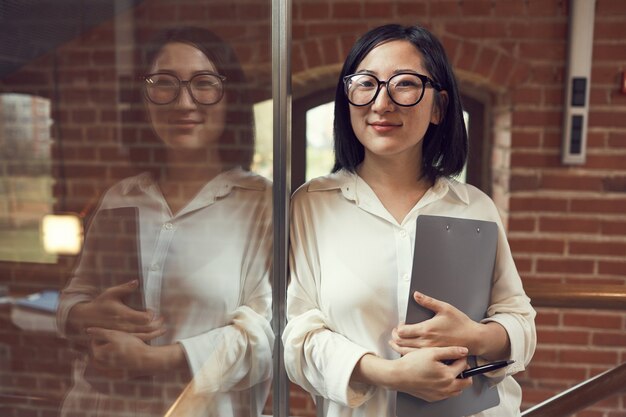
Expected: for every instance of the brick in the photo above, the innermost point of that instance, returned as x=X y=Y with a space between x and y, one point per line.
x=562 y=224
x=478 y=30
x=613 y=227
x=593 y=321
x=377 y=10
x=597 y=248
x=608 y=52
x=411 y=8
x=345 y=10
x=617 y=139
x=519 y=182
x=547 y=318
x=606 y=206
x=565 y=265
x=588 y=357
x=487 y=59
x=540 y=118
x=612 y=268
x=570 y=182
x=524 y=224
x=609 y=339
x=548 y=372
x=316 y=10
x=612 y=161
x=466 y=57
x=562 y=337
x=527 y=95
x=543 y=50
x=534 y=159
x=520 y=204
x=536 y=245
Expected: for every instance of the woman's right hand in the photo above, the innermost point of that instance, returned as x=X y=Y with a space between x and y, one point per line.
x=108 y=311
x=431 y=373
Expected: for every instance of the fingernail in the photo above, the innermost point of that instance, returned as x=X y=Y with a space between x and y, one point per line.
x=463 y=350
x=133 y=283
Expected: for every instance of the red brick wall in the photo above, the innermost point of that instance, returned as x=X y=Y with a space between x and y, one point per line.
x=567 y=224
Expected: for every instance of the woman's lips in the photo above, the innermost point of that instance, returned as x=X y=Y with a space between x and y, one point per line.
x=185 y=124
x=383 y=127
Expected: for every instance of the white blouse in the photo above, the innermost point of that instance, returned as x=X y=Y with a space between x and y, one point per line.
x=350 y=274
x=206 y=271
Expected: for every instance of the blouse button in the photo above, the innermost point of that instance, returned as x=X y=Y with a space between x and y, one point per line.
x=154 y=267
x=169 y=226
x=403 y=233
x=405 y=277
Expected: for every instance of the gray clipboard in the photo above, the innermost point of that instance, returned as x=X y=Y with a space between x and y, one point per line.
x=453 y=262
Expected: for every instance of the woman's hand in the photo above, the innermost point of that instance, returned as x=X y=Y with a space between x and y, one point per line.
x=450 y=327
x=424 y=374
x=108 y=311
x=116 y=352
x=421 y=372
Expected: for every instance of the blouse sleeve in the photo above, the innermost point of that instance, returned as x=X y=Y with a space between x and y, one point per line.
x=316 y=358
x=511 y=308
x=239 y=355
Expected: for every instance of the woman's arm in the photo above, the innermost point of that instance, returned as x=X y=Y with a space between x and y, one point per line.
x=421 y=373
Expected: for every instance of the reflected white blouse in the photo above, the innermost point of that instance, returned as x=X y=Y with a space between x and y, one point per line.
x=351 y=264
x=206 y=271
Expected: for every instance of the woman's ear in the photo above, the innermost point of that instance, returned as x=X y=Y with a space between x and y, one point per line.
x=440 y=105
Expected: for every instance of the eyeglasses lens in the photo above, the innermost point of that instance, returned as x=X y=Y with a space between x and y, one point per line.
x=165 y=88
x=404 y=89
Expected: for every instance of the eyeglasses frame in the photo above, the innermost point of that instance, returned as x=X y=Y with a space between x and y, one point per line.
x=181 y=83
x=426 y=80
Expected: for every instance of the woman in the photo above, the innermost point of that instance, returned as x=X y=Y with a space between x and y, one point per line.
x=399 y=140
x=205 y=248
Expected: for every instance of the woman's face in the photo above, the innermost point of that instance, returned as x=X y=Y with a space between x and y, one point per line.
x=384 y=128
x=184 y=124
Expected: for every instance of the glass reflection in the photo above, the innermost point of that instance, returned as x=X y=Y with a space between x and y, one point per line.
x=166 y=311
x=200 y=224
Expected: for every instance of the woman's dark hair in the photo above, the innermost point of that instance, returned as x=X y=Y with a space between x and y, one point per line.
x=236 y=145
x=444 y=145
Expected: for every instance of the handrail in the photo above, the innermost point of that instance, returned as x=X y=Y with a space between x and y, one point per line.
x=587 y=393
x=582 y=395
x=604 y=297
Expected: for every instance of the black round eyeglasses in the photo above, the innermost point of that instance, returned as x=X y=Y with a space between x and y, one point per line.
x=404 y=88
x=205 y=88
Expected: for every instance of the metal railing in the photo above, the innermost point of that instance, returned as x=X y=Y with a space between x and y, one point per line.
x=587 y=393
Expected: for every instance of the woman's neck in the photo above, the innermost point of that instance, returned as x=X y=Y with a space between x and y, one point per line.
x=397 y=182
x=184 y=175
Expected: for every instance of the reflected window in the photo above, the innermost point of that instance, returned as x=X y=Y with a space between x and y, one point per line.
x=25 y=176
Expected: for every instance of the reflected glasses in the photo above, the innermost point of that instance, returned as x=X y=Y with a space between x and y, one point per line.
x=204 y=88
x=405 y=88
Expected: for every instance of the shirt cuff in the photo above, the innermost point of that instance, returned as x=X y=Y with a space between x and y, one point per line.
x=355 y=393
x=516 y=341
x=66 y=304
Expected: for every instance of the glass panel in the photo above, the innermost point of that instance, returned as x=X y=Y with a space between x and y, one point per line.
x=319 y=140
x=136 y=212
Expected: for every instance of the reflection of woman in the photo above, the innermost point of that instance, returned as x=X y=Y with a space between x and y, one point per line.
x=399 y=138
x=205 y=238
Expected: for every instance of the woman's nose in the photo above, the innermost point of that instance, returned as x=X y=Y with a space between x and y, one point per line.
x=382 y=102
x=185 y=99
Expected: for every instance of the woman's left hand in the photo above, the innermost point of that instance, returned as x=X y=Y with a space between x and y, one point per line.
x=114 y=350
x=449 y=327
x=117 y=350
